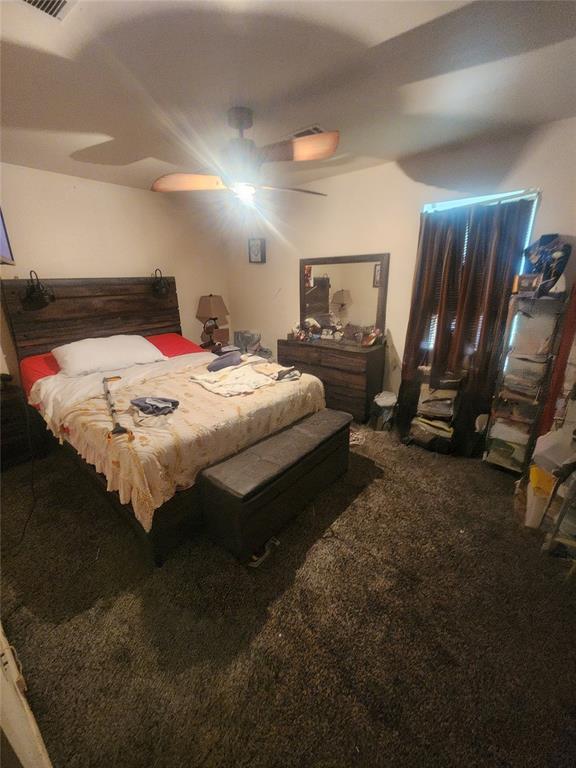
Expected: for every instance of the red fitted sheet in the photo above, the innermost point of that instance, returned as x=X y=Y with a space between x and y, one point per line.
x=38 y=366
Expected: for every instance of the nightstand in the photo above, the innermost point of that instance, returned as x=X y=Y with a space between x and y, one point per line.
x=14 y=443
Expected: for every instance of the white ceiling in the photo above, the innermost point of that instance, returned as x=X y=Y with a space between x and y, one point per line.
x=125 y=91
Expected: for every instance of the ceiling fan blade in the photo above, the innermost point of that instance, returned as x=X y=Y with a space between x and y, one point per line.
x=292 y=189
x=318 y=146
x=187 y=182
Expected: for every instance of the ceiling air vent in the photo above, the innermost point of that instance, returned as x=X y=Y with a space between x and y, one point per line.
x=311 y=131
x=55 y=8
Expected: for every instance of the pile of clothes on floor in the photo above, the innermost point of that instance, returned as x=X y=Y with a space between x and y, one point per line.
x=432 y=426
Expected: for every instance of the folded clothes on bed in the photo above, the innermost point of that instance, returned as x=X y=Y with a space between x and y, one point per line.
x=278 y=372
x=155 y=406
x=244 y=379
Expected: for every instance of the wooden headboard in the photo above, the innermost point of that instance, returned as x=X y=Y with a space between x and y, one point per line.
x=88 y=308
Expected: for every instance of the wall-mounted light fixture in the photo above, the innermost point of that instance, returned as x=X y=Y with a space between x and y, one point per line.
x=160 y=286
x=37 y=295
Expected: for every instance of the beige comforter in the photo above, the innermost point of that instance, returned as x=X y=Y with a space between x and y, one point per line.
x=166 y=453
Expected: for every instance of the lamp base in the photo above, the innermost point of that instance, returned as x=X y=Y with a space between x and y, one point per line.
x=208 y=333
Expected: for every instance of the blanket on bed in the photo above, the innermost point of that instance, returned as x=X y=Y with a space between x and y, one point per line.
x=167 y=456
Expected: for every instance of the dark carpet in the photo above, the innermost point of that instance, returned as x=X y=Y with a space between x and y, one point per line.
x=406 y=620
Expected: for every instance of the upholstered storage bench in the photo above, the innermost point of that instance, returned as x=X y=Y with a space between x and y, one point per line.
x=248 y=498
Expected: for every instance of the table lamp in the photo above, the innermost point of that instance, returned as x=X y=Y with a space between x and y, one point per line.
x=210 y=308
x=342 y=298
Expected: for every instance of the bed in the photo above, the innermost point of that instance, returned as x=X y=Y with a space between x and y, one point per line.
x=152 y=477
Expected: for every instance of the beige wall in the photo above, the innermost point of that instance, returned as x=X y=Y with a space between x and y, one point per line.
x=64 y=226
x=377 y=210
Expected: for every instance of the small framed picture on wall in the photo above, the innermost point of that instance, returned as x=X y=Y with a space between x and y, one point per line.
x=377 y=279
x=257 y=250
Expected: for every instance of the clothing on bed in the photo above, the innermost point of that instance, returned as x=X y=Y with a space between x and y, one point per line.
x=155 y=406
x=225 y=361
x=167 y=454
x=252 y=374
x=278 y=372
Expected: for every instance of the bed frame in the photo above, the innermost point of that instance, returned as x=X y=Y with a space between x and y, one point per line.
x=90 y=308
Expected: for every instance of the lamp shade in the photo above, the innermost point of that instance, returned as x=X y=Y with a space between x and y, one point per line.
x=342 y=297
x=211 y=306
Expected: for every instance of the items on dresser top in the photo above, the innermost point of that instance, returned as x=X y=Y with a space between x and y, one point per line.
x=352 y=375
x=339 y=294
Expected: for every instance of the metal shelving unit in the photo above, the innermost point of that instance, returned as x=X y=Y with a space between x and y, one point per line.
x=531 y=344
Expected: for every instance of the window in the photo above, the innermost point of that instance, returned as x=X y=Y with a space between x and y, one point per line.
x=502 y=197
x=430 y=334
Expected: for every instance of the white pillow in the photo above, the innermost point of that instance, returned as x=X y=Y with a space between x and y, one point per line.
x=106 y=354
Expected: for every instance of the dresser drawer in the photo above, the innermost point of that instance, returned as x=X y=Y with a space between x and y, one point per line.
x=344 y=362
x=332 y=376
x=298 y=354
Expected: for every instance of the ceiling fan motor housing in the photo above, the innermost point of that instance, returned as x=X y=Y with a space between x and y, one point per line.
x=242 y=161
x=240 y=118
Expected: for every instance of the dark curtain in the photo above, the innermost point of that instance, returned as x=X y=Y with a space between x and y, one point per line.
x=496 y=237
x=440 y=247
x=467 y=259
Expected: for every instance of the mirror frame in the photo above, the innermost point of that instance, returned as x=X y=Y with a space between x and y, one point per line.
x=383 y=258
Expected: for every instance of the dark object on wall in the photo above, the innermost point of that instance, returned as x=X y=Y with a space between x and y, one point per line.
x=352 y=375
x=160 y=286
x=6 y=255
x=88 y=308
x=257 y=250
x=250 y=497
x=37 y=295
x=17 y=418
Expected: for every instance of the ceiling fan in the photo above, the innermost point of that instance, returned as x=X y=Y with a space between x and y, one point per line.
x=243 y=159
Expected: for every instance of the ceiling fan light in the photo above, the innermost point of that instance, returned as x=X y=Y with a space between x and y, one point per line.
x=244 y=192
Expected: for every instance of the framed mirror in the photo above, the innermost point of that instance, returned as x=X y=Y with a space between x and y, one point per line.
x=348 y=289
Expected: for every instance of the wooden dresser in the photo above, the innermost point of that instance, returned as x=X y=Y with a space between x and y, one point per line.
x=351 y=374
